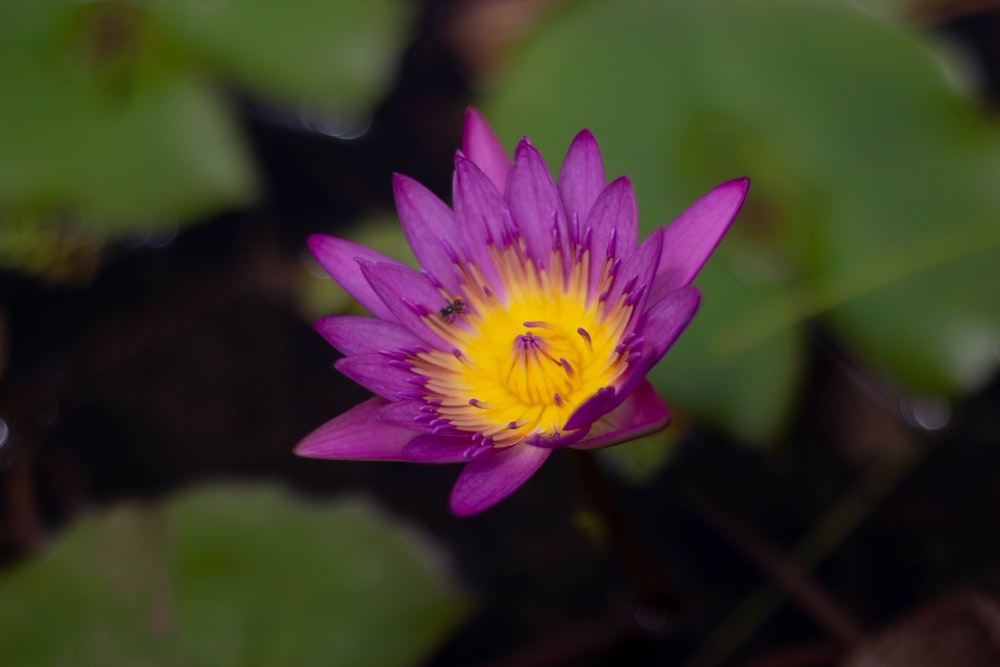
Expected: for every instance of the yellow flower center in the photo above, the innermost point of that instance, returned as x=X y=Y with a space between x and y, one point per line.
x=523 y=360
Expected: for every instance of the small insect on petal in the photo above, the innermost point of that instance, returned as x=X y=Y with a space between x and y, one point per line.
x=454 y=307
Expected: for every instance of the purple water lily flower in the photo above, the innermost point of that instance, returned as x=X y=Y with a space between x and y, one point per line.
x=531 y=326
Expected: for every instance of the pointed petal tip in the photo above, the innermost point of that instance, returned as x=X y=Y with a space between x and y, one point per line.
x=581 y=177
x=724 y=201
x=323 y=325
x=302 y=449
x=311 y=448
x=524 y=145
x=726 y=197
x=402 y=185
x=695 y=298
x=584 y=141
x=356 y=435
x=472 y=116
x=694 y=234
x=465 y=510
x=482 y=146
x=317 y=244
x=462 y=160
x=486 y=481
x=737 y=185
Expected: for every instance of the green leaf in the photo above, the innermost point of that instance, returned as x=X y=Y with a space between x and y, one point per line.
x=113 y=125
x=231 y=576
x=874 y=192
x=639 y=460
x=103 y=129
x=334 y=55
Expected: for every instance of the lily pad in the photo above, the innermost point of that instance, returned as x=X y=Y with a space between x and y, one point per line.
x=231 y=576
x=114 y=122
x=112 y=136
x=333 y=55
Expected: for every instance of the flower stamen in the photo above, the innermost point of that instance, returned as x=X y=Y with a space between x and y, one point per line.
x=548 y=368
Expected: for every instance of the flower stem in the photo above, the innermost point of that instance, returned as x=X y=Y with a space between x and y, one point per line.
x=652 y=594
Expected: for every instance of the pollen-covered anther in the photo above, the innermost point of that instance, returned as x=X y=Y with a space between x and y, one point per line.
x=525 y=369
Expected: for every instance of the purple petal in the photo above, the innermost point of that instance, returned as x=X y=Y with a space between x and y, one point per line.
x=409 y=296
x=482 y=147
x=356 y=434
x=581 y=178
x=377 y=374
x=487 y=480
x=408 y=413
x=340 y=258
x=638 y=270
x=428 y=224
x=595 y=407
x=614 y=211
x=643 y=412
x=353 y=335
x=666 y=319
x=662 y=324
x=481 y=215
x=565 y=439
x=695 y=233
x=440 y=449
x=659 y=329
x=535 y=204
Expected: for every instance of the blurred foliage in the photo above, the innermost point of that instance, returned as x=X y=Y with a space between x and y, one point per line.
x=230 y=576
x=639 y=460
x=876 y=185
x=113 y=120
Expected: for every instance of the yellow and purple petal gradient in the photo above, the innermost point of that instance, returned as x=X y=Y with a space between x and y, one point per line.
x=531 y=326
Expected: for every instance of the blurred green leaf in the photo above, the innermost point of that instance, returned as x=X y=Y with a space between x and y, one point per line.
x=230 y=576
x=112 y=121
x=876 y=184
x=101 y=128
x=639 y=460
x=325 y=55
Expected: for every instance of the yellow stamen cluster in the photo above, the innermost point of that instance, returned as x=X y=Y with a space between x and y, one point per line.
x=524 y=358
